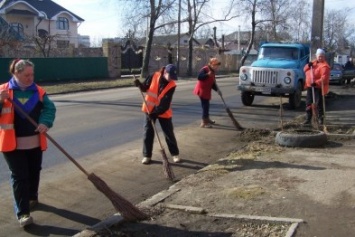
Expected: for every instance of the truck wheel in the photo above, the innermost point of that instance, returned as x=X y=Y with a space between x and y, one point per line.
x=294 y=99
x=247 y=98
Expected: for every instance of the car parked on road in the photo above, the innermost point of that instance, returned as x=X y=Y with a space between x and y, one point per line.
x=336 y=74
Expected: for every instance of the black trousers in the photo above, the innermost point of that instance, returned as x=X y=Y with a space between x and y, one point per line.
x=25 y=167
x=318 y=102
x=168 y=130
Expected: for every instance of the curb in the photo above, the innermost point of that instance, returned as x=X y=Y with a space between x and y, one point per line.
x=159 y=197
x=117 y=218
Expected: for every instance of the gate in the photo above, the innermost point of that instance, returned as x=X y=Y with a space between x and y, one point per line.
x=131 y=58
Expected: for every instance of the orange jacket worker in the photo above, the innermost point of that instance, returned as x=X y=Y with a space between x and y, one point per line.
x=159 y=88
x=317 y=73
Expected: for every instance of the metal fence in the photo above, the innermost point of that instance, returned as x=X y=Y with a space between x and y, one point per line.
x=61 y=69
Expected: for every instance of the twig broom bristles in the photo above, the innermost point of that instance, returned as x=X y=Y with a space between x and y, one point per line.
x=125 y=208
x=166 y=165
x=229 y=112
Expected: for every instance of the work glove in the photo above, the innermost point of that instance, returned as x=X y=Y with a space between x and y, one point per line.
x=310 y=64
x=219 y=92
x=313 y=84
x=153 y=116
x=137 y=83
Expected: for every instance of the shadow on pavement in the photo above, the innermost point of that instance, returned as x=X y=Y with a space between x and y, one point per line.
x=43 y=230
x=46 y=230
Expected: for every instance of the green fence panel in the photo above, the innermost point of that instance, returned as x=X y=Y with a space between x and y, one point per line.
x=61 y=69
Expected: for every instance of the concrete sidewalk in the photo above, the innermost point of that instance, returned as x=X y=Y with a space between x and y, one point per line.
x=312 y=190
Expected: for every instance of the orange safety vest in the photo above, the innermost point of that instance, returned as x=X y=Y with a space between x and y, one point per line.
x=7 y=131
x=321 y=74
x=153 y=99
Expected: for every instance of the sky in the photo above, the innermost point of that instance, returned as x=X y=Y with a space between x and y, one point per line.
x=102 y=18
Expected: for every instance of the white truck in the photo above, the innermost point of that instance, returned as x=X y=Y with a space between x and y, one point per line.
x=278 y=71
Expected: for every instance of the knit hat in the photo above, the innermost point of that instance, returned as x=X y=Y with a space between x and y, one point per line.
x=320 y=51
x=171 y=69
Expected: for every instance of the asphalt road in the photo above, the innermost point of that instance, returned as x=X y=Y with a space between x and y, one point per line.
x=103 y=130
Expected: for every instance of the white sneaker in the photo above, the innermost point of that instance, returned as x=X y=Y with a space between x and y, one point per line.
x=25 y=220
x=146 y=160
x=176 y=159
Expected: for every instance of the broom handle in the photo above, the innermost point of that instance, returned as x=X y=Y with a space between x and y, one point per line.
x=152 y=122
x=313 y=93
x=323 y=96
x=281 y=114
x=225 y=105
x=19 y=109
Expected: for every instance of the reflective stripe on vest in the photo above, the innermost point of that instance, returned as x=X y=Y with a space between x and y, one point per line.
x=6 y=110
x=7 y=131
x=6 y=126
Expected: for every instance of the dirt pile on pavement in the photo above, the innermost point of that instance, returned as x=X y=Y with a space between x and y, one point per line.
x=237 y=195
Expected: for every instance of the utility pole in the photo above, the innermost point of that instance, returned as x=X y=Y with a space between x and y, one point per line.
x=239 y=38
x=178 y=40
x=317 y=26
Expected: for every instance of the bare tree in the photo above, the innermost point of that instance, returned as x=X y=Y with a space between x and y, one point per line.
x=196 y=18
x=8 y=36
x=300 y=20
x=44 y=43
x=251 y=8
x=269 y=16
x=154 y=15
x=338 y=31
x=275 y=14
x=162 y=17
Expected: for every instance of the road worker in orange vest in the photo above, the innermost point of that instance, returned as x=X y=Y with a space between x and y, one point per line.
x=159 y=88
x=21 y=143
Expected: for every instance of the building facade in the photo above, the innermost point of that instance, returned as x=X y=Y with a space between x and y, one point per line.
x=42 y=18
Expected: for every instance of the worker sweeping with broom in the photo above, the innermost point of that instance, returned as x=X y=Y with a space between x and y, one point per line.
x=205 y=84
x=22 y=143
x=317 y=74
x=159 y=88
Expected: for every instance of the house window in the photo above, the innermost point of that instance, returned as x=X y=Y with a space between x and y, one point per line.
x=62 y=44
x=62 y=23
x=18 y=27
x=42 y=33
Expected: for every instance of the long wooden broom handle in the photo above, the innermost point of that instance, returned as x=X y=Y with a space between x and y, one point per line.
x=19 y=109
x=313 y=93
x=225 y=105
x=152 y=122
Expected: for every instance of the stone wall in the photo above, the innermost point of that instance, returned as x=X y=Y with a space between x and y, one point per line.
x=160 y=56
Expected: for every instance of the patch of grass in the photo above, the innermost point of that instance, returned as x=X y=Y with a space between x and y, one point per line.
x=246 y=193
x=75 y=86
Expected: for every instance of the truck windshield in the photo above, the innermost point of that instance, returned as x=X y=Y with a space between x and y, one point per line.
x=278 y=53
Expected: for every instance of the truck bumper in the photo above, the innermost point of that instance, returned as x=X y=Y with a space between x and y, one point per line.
x=265 y=90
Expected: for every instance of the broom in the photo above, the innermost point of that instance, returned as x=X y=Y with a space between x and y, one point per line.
x=314 y=106
x=324 y=117
x=235 y=122
x=125 y=208
x=166 y=165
